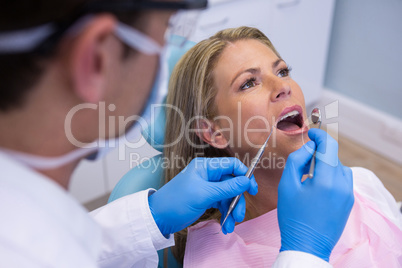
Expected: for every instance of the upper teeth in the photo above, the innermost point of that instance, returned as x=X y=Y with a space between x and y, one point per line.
x=289 y=114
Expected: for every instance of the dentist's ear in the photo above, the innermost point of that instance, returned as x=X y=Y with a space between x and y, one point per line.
x=90 y=58
x=210 y=133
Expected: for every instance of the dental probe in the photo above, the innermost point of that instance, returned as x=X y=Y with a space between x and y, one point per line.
x=249 y=173
x=316 y=118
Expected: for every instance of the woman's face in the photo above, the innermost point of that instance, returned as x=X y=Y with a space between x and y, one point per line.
x=254 y=92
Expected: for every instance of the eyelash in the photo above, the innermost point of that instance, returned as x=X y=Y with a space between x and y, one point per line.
x=252 y=79
x=287 y=71
x=284 y=71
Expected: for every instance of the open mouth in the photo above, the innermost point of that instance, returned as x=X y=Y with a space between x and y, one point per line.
x=290 y=121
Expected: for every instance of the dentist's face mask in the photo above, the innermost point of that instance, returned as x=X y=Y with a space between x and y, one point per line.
x=99 y=148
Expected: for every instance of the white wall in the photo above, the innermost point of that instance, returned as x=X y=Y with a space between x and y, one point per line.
x=364 y=72
x=365 y=55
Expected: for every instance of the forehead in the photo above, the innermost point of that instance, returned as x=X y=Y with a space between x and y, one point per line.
x=245 y=54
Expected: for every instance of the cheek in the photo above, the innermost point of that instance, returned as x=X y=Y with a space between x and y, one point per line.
x=246 y=122
x=285 y=145
x=298 y=93
x=256 y=121
x=131 y=92
x=137 y=82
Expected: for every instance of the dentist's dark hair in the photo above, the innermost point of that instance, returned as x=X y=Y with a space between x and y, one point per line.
x=20 y=72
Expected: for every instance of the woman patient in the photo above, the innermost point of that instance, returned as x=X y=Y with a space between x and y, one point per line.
x=230 y=89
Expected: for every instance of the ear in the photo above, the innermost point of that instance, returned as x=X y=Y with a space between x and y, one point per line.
x=210 y=133
x=89 y=56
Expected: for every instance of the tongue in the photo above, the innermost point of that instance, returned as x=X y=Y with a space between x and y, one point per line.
x=287 y=126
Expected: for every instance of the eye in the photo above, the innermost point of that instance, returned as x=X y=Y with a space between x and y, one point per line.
x=285 y=72
x=249 y=83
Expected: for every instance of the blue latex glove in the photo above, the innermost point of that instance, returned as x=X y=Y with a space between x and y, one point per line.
x=238 y=213
x=203 y=184
x=312 y=214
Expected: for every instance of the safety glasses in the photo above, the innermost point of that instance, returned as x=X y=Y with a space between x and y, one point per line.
x=137 y=40
x=42 y=38
x=180 y=24
x=180 y=27
x=122 y=6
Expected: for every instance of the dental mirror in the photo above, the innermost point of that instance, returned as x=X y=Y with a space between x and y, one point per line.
x=316 y=119
x=316 y=116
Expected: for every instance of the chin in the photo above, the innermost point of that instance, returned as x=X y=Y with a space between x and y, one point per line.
x=289 y=144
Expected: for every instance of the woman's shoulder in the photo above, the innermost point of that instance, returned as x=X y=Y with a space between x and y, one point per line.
x=367 y=185
x=363 y=175
x=365 y=182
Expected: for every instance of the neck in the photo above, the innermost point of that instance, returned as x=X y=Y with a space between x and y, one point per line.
x=61 y=175
x=266 y=198
x=33 y=130
x=18 y=133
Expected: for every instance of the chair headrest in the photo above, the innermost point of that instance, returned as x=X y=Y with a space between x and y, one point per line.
x=155 y=133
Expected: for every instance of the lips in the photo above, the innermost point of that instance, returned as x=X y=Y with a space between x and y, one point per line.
x=291 y=119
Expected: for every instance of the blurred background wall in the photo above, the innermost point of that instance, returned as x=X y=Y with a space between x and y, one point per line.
x=365 y=53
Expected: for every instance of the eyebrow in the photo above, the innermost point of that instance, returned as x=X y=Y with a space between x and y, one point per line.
x=276 y=63
x=255 y=70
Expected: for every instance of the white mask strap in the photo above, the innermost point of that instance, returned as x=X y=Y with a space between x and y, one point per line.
x=24 y=40
x=137 y=40
x=46 y=163
x=28 y=39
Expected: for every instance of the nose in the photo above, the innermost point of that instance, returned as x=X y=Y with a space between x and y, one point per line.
x=282 y=90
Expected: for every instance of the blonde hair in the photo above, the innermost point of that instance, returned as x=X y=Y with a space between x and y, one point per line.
x=192 y=92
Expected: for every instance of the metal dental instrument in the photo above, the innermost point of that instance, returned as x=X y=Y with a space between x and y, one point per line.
x=249 y=173
x=316 y=118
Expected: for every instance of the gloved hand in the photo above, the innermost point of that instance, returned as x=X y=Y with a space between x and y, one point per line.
x=312 y=214
x=203 y=184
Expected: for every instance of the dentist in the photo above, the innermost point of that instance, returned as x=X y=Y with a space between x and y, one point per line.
x=58 y=55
